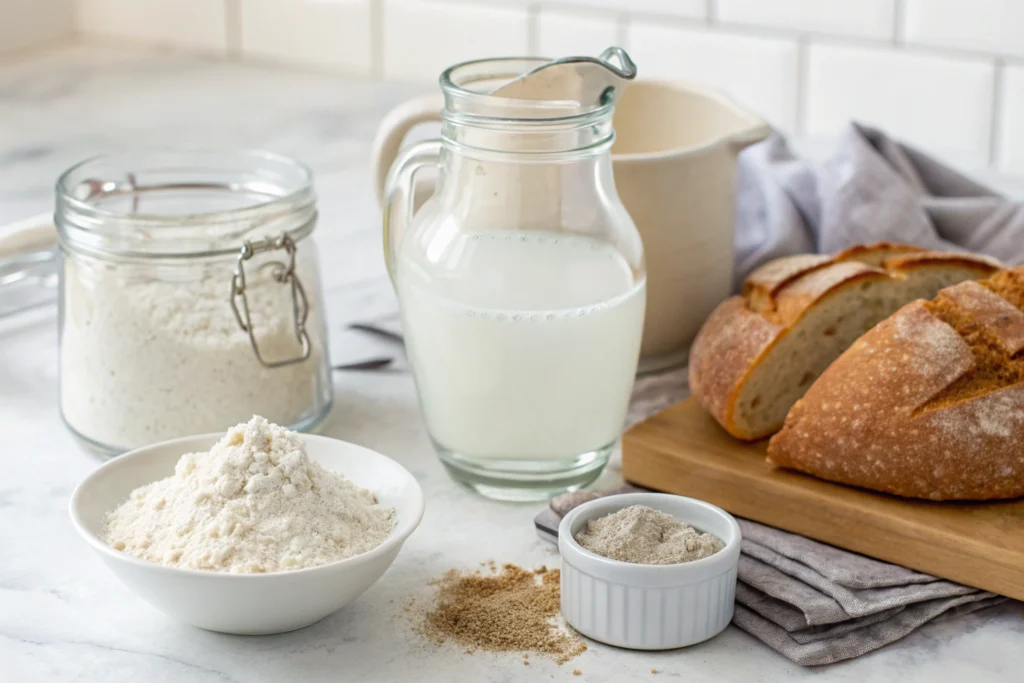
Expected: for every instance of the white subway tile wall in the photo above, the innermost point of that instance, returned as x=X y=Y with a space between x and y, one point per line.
x=691 y=9
x=937 y=103
x=422 y=38
x=858 y=18
x=989 y=26
x=562 y=33
x=308 y=32
x=760 y=73
x=946 y=75
x=199 y=25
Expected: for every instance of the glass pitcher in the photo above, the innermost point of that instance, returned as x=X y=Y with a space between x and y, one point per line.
x=521 y=285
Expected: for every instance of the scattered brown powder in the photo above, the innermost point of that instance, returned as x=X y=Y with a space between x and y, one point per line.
x=513 y=610
x=576 y=672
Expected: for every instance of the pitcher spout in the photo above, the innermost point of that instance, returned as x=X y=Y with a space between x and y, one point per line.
x=756 y=132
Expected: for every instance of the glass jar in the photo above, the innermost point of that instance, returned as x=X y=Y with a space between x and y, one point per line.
x=190 y=296
x=521 y=285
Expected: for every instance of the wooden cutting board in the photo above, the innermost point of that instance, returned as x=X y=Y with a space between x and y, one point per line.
x=683 y=450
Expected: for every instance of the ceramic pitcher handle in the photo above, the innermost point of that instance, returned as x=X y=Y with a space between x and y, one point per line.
x=393 y=129
x=399 y=193
x=32 y=234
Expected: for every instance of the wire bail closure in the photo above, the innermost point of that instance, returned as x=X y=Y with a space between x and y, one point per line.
x=282 y=273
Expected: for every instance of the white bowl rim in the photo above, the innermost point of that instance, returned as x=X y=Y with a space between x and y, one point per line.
x=396 y=536
x=732 y=546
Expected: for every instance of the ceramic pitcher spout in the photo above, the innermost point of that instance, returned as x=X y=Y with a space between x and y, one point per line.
x=744 y=128
x=756 y=132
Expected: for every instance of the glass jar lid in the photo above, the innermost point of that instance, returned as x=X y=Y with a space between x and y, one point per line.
x=182 y=204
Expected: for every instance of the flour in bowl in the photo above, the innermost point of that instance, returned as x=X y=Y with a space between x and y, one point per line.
x=255 y=503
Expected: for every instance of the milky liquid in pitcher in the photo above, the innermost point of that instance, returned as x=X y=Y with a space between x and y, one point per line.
x=524 y=345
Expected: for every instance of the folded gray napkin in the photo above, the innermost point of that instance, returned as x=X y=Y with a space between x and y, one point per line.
x=814 y=603
x=864 y=187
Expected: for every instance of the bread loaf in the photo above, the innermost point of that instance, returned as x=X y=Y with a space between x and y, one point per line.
x=759 y=352
x=928 y=404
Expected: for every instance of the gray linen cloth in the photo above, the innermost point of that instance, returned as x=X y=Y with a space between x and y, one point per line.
x=864 y=188
x=814 y=603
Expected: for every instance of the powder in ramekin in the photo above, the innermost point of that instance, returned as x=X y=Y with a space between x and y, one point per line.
x=643 y=535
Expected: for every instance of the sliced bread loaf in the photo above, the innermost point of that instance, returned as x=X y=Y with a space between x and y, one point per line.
x=928 y=404
x=759 y=352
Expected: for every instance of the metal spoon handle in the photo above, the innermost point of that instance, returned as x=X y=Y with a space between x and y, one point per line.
x=369 y=364
x=378 y=331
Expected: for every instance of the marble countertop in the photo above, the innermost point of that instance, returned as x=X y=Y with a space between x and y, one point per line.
x=63 y=616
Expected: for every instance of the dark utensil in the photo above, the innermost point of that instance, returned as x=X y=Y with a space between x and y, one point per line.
x=378 y=331
x=369 y=364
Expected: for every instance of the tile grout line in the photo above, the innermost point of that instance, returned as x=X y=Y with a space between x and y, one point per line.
x=803 y=68
x=996 y=127
x=898 y=18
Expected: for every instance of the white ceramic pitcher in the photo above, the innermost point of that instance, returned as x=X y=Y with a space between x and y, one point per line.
x=674 y=161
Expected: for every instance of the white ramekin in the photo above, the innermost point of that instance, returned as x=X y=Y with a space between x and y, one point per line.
x=649 y=607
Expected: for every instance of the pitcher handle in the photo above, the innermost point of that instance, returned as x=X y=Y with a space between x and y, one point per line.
x=29 y=235
x=401 y=179
x=393 y=129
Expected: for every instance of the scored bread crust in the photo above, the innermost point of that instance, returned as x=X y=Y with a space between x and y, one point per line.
x=885 y=415
x=742 y=330
x=726 y=348
x=735 y=338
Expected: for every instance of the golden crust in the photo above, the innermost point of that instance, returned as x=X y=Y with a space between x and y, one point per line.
x=980 y=262
x=992 y=311
x=741 y=331
x=762 y=285
x=795 y=299
x=862 y=423
x=877 y=253
x=726 y=348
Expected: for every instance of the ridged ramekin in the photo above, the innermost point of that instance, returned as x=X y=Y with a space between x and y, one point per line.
x=649 y=607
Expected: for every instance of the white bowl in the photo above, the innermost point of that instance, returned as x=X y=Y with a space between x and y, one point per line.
x=250 y=604
x=645 y=606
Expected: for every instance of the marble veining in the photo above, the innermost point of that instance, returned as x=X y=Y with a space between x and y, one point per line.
x=63 y=616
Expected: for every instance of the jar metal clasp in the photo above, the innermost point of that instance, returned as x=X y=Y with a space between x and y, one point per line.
x=283 y=273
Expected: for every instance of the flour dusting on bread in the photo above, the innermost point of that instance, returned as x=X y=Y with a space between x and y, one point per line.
x=758 y=353
x=941 y=391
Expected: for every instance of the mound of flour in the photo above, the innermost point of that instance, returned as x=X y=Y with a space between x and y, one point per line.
x=255 y=503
